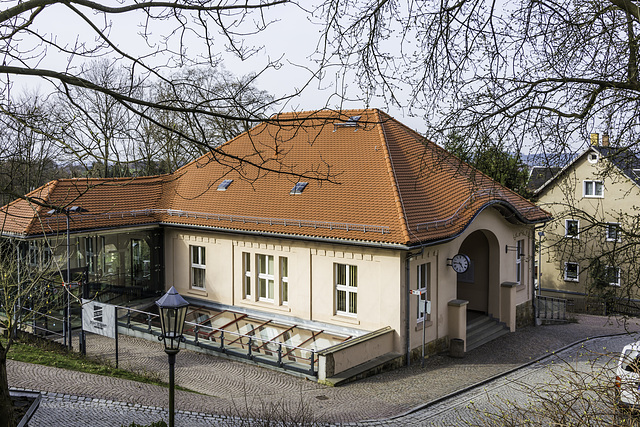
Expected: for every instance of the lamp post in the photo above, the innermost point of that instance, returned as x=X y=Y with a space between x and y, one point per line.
x=173 y=310
x=66 y=212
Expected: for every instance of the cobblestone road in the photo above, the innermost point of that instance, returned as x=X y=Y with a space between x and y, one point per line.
x=229 y=387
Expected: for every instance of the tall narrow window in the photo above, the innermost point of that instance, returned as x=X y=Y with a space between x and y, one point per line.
x=284 y=279
x=198 y=267
x=424 y=271
x=613 y=275
x=33 y=253
x=88 y=253
x=346 y=280
x=265 y=277
x=613 y=232
x=519 y=256
x=246 y=268
x=572 y=228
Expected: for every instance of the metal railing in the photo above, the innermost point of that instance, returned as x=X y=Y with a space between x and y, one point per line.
x=550 y=308
x=249 y=346
x=45 y=325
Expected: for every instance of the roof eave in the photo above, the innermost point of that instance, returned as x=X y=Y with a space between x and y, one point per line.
x=491 y=203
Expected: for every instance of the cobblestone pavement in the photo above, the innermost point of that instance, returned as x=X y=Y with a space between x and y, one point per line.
x=225 y=387
x=593 y=359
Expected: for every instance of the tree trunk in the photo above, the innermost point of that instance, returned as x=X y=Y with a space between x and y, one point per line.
x=7 y=417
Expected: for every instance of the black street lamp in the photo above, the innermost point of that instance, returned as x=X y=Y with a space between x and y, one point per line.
x=173 y=310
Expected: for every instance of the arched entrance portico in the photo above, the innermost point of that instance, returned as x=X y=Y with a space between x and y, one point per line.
x=480 y=283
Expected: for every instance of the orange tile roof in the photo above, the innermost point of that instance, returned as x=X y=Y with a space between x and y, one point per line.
x=108 y=203
x=378 y=182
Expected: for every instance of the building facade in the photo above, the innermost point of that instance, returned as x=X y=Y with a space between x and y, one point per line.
x=585 y=249
x=324 y=219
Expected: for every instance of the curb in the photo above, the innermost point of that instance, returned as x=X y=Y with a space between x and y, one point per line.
x=490 y=379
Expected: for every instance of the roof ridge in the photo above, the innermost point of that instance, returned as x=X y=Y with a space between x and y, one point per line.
x=392 y=175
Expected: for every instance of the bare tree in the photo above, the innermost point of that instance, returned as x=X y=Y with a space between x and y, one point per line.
x=236 y=100
x=148 y=41
x=28 y=151
x=96 y=127
x=519 y=72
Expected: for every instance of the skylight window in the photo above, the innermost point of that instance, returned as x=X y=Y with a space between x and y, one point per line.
x=298 y=188
x=224 y=185
x=352 y=122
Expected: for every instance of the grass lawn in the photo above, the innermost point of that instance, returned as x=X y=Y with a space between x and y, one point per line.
x=51 y=355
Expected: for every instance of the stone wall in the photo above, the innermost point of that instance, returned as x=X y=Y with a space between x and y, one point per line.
x=524 y=315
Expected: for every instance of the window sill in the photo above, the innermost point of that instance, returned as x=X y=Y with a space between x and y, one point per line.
x=266 y=305
x=571 y=280
x=346 y=319
x=198 y=292
x=520 y=287
x=420 y=325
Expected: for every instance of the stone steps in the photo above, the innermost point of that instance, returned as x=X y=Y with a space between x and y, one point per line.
x=483 y=330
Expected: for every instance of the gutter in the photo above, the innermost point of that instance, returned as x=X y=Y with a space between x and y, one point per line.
x=369 y=244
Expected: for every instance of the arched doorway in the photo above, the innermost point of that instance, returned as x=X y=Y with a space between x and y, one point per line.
x=475 y=284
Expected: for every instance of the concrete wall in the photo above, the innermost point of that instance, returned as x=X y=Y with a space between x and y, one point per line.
x=352 y=353
x=382 y=294
x=310 y=280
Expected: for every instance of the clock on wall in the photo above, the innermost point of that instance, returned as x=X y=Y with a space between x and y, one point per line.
x=460 y=263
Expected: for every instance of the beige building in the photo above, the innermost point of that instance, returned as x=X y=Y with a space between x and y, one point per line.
x=594 y=201
x=323 y=221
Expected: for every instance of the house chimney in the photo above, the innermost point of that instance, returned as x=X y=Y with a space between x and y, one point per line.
x=595 y=139
x=605 y=140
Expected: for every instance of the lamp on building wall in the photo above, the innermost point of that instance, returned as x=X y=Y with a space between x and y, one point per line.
x=173 y=310
x=67 y=320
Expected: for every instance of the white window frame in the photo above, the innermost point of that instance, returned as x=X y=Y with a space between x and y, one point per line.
x=284 y=280
x=611 y=225
x=566 y=271
x=617 y=275
x=423 y=283
x=89 y=253
x=519 y=255
x=266 y=278
x=566 y=228
x=198 y=255
x=348 y=290
x=592 y=186
x=246 y=276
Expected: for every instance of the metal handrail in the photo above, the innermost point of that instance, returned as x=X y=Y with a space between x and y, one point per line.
x=551 y=308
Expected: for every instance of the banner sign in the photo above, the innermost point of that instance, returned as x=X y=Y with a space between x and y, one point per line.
x=99 y=318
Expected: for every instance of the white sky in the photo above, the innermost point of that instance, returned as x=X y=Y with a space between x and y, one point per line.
x=291 y=38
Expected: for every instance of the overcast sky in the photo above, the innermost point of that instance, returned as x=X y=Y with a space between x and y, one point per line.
x=291 y=39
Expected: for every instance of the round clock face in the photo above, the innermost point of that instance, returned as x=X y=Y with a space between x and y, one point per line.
x=460 y=263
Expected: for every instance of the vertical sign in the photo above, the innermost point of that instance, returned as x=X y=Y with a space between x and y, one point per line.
x=99 y=318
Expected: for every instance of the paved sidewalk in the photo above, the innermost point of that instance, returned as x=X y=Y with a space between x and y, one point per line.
x=228 y=387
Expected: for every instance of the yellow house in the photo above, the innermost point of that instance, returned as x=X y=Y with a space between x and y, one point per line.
x=340 y=223
x=594 y=203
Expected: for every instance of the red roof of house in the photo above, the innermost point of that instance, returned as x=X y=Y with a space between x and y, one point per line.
x=371 y=179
